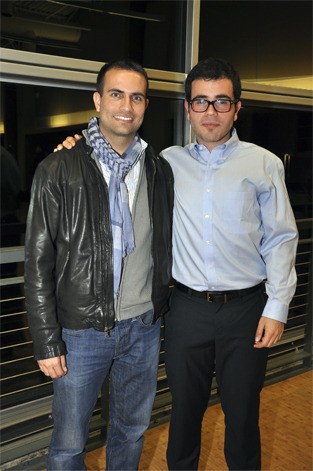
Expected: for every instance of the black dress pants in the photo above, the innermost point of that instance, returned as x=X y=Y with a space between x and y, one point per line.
x=201 y=337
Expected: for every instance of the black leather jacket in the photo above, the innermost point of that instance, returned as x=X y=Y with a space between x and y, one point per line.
x=68 y=247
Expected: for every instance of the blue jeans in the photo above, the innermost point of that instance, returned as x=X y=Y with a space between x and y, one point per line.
x=130 y=355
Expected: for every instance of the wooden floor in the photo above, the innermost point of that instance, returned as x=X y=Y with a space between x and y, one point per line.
x=286 y=428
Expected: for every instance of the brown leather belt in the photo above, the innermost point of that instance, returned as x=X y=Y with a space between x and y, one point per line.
x=217 y=296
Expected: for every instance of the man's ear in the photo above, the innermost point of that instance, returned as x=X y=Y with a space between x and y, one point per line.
x=97 y=100
x=187 y=108
x=237 y=108
x=147 y=103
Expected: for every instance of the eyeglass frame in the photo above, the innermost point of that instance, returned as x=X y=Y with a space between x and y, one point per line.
x=213 y=104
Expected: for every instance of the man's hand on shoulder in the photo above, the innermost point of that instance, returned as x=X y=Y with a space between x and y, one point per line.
x=54 y=367
x=69 y=142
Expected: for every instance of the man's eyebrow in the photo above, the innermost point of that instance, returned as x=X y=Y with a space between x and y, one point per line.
x=115 y=90
x=122 y=91
x=221 y=95
x=200 y=96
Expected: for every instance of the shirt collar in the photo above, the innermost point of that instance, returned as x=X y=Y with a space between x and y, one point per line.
x=219 y=154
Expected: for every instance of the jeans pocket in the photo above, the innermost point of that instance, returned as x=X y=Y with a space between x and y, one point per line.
x=146 y=319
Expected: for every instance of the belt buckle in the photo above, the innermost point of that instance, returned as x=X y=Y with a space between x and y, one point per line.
x=210 y=298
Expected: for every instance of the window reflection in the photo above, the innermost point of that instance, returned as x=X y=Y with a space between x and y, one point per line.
x=152 y=33
x=253 y=36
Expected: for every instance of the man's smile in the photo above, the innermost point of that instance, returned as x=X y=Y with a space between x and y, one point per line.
x=123 y=118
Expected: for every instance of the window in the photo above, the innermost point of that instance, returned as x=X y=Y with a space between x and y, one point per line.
x=152 y=33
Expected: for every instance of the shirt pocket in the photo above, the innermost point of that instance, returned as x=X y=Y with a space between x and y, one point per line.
x=233 y=210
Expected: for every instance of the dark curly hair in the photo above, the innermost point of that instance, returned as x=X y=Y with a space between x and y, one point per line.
x=213 y=69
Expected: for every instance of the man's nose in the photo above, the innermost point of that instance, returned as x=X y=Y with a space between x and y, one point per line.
x=211 y=110
x=127 y=102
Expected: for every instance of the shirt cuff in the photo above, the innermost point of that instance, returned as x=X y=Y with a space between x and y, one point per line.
x=276 y=310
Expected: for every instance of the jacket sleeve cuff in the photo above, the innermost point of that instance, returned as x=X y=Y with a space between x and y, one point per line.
x=49 y=351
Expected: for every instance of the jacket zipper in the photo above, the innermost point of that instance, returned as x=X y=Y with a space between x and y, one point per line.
x=102 y=187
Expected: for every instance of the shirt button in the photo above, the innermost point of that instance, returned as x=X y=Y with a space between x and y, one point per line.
x=206 y=216
x=208 y=190
x=208 y=242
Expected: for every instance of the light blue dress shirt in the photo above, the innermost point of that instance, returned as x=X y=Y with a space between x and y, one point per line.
x=233 y=223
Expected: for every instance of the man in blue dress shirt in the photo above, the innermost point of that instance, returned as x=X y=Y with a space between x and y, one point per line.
x=234 y=230
x=234 y=236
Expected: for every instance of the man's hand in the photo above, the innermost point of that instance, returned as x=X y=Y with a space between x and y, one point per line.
x=54 y=367
x=69 y=142
x=269 y=332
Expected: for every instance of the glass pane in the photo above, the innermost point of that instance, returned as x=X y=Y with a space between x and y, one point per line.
x=262 y=39
x=152 y=33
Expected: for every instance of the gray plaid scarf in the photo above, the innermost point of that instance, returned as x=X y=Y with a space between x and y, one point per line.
x=121 y=220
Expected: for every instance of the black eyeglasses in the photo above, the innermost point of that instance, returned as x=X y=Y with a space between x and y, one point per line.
x=221 y=105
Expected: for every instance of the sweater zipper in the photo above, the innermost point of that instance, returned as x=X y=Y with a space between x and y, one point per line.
x=124 y=262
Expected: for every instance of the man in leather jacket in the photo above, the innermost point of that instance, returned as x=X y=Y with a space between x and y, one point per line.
x=97 y=272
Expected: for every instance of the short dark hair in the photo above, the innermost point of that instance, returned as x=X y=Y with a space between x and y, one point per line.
x=123 y=64
x=213 y=69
